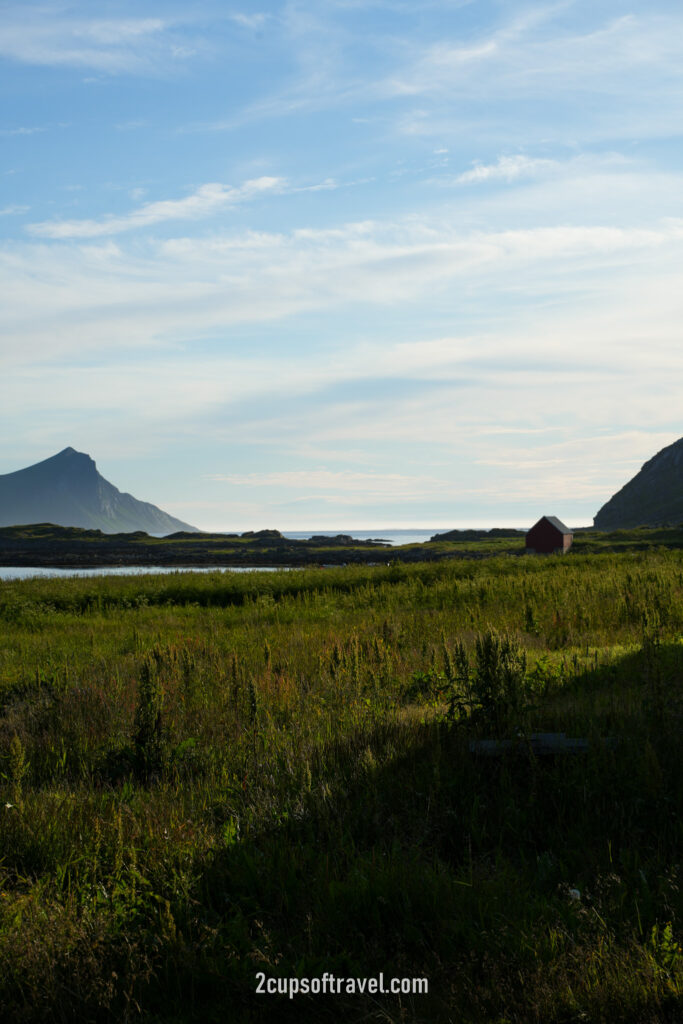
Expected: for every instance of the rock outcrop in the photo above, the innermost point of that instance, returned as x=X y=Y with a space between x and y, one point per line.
x=654 y=497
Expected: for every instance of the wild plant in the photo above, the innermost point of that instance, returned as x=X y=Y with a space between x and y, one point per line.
x=495 y=696
x=18 y=768
x=148 y=739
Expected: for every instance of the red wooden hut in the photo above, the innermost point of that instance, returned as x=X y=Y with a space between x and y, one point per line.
x=549 y=536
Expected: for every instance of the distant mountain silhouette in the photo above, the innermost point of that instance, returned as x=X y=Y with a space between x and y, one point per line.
x=653 y=497
x=67 y=490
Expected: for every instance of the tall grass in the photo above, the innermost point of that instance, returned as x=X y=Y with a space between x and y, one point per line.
x=205 y=776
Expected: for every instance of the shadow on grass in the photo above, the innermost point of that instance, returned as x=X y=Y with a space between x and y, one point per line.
x=524 y=890
x=413 y=858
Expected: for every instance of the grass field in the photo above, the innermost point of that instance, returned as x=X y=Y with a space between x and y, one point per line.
x=203 y=777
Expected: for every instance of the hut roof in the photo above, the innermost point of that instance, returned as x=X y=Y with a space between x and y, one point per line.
x=558 y=524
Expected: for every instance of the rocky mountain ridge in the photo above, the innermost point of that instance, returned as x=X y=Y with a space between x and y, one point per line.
x=654 y=497
x=68 y=490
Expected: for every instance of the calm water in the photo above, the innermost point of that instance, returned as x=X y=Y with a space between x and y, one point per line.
x=21 y=573
x=400 y=536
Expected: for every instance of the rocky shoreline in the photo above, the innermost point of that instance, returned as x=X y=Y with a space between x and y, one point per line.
x=46 y=546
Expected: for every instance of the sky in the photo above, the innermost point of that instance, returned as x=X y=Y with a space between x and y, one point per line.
x=343 y=263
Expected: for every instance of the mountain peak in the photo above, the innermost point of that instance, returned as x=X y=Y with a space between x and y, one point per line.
x=68 y=452
x=66 y=489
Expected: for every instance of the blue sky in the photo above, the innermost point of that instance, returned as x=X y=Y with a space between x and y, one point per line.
x=343 y=263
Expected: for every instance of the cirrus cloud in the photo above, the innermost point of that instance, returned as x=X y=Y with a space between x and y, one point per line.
x=204 y=201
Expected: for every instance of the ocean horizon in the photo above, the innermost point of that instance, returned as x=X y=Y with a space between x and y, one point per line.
x=394 y=535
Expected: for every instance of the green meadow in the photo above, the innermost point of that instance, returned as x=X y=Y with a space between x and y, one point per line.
x=204 y=777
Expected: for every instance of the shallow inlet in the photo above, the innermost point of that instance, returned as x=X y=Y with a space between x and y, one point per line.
x=14 y=572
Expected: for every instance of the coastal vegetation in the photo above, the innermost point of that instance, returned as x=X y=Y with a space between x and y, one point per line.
x=45 y=545
x=208 y=776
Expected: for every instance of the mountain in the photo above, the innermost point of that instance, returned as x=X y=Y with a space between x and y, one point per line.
x=653 y=497
x=67 y=490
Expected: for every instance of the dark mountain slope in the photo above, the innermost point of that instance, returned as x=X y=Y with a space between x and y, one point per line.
x=652 y=498
x=67 y=490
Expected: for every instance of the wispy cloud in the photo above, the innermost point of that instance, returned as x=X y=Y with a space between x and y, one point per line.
x=89 y=294
x=23 y=130
x=453 y=83
x=369 y=485
x=14 y=209
x=533 y=56
x=507 y=168
x=206 y=200
x=528 y=55
x=253 y=21
x=43 y=35
x=618 y=77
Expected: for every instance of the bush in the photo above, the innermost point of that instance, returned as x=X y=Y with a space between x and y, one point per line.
x=496 y=694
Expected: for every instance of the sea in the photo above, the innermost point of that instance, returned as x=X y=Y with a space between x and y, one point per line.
x=395 y=537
